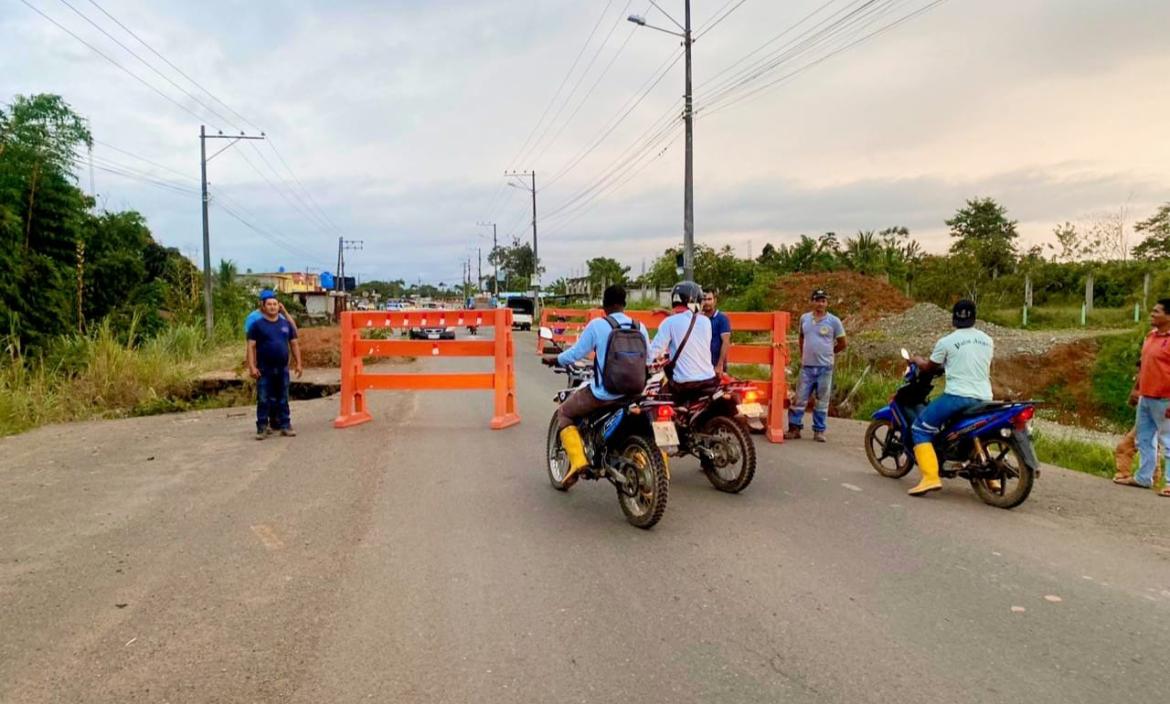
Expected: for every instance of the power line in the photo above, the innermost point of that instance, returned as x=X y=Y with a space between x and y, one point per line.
x=173 y=66
x=290 y=200
x=180 y=174
x=105 y=56
x=267 y=235
x=306 y=191
x=145 y=63
x=714 y=24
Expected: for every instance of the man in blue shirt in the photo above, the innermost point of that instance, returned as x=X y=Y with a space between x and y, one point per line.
x=693 y=373
x=590 y=399
x=720 y=332
x=269 y=340
x=822 y=336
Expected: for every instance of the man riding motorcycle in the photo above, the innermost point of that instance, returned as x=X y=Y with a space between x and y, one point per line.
x=690 y=372
x=965 y=356
x=590 y=399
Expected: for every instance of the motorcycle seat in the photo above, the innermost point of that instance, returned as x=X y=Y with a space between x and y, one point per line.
x=986 y=407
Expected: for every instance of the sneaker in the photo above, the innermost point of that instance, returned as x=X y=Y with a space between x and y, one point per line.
x=288 y=432
x=792 y=434
x=819 y=436
x=260 y=434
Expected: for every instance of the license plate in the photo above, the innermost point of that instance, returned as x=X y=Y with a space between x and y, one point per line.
x=665 y=434
x=751 y=410
x=433 y=336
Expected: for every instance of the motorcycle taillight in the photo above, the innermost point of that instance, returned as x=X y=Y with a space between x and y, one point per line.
x=664 y=412
x=1021 y=420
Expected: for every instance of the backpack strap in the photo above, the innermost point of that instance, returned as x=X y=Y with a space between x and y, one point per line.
x=678 y=353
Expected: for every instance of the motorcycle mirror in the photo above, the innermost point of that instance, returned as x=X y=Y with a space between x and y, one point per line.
x=546 y=333
x=905 y=354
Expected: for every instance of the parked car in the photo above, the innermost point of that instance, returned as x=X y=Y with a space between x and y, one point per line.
x=523 y=308
x=432 y=332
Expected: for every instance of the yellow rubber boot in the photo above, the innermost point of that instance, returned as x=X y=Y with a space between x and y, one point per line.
x=928 y=465
x=574 y=450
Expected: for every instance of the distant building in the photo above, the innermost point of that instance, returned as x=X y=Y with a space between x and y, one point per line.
x=285 y=281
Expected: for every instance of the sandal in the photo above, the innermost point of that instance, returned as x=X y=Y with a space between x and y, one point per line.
x=1129 y=481
x=1165 y=492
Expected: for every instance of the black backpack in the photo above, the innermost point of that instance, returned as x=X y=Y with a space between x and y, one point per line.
x=624 y=372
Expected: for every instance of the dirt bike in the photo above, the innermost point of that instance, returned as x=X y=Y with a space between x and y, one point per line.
x=714 y=428
x=622 y=446
x=988 y=445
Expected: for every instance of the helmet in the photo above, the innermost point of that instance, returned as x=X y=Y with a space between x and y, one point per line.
x=686 y=293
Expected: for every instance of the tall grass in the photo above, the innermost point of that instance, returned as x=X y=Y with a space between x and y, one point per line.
x=1061 y=317
x=99 y=374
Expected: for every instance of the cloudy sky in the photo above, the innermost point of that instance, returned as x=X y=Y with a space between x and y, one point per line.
x=393 y=121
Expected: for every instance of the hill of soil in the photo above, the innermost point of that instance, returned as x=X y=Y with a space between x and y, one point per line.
x=856 y=299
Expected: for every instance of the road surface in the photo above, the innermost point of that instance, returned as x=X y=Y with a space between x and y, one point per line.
x=424 y=558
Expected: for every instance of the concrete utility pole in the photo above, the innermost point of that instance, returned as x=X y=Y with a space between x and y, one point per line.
x=688 y=120
x=208 y=307
x=496 y=269
x=535 y=251
x=343 y=246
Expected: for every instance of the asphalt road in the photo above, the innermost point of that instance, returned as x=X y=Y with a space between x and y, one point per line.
x=424 y=558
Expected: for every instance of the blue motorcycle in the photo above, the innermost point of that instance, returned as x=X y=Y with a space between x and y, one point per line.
x=989 y=445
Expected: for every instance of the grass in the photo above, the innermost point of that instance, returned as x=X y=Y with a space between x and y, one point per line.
x=1087 y=457
x=1060 y=317
x=103 y=374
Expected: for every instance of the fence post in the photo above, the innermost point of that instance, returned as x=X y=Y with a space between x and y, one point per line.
x=777 y=404
x=353 y=400
x=505 y=375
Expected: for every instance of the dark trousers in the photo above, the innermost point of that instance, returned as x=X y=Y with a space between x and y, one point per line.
x=272 y=400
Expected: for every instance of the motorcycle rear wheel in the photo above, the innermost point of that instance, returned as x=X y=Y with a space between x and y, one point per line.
x=1016 y=478
x=892 y=466
x=648 y=503
x=556 y=462
x=741 y=468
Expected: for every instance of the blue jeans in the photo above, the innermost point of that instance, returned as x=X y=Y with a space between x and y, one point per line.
x=272 y=400
x=937 y=413
x=820 y=379
x=1153 y=429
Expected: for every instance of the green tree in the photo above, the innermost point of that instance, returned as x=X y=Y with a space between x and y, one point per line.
x=517 y=263
x=983 y=230
x=1156 y=230
x=603 y=272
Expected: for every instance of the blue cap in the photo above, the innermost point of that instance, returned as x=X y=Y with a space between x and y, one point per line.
x=266 y=294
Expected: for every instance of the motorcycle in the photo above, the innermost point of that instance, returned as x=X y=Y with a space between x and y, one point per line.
x=625 y=444
x=989 y=445
x=714 y=428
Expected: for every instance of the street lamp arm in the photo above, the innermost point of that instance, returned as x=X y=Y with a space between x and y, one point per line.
x=676 y=24
x=642 y=23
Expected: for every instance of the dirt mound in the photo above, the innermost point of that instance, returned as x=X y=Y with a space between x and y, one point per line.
x=932 y=321
x=320 y=347
x=854 y=298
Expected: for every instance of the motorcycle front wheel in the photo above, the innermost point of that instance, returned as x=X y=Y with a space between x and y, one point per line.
x=734 y=465
x=1011 y=479
x=645 y=471
x=887 y=450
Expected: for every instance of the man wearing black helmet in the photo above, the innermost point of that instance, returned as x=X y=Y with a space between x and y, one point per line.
x=965 y=357
x=686 y=339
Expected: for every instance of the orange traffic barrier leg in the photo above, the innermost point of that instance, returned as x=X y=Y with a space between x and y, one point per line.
x=777 y=411
x=353 y=402
x=505 y=414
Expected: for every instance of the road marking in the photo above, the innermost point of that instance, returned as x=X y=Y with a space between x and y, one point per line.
x=851 y=487
x=267 y=536
x=1052 y=598
x=1018 y=609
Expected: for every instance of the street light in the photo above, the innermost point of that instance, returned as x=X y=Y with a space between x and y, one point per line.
x=688 y=119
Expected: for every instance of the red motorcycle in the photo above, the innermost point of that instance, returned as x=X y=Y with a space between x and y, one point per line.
x=713 y=427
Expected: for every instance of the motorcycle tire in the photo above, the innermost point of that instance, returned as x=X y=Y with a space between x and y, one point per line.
x=875 y=445
x=732 y=432
x=646 y=506
x=556 y=463
x=1000 y=449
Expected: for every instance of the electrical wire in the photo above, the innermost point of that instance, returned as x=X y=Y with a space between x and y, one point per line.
x=715 y=24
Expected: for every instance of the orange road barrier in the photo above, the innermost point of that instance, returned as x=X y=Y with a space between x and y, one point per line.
x=355 y=382
x=574 y=321
x=773 y=353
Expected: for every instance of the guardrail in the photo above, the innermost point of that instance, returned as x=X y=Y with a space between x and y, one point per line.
x=355 y=381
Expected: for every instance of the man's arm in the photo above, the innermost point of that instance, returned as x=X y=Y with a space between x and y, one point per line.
x=584 y=345
x=839 y=345
x=726 y=338
x=251 y=357
x=295 y=345
x=660 y=344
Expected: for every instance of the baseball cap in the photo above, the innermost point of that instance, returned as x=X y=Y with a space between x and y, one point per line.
x=266 y=294
x=819 y=293
x=963 y=314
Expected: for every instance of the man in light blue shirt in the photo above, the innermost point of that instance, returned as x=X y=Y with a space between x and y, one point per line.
x=590 y=399
x=822 y=336
x=693 y=372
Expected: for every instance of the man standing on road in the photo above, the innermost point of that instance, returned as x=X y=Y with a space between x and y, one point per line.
x=589 y=399
x=720 y=332
x=822 y=336
x=269 y=340
x=1153 y=407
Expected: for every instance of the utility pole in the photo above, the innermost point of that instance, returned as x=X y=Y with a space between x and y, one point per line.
x=535 y=251
x=496 y=265
x=343 y=246
x=688 y=120
x=208 y=307
x=479 y=269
